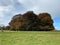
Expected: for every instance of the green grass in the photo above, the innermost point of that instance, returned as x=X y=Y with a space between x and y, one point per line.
x=29 y=38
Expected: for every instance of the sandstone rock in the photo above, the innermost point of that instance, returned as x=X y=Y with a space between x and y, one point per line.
x=29 y=21
x=46 y=22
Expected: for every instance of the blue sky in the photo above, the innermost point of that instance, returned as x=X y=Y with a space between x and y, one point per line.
x=9 y=8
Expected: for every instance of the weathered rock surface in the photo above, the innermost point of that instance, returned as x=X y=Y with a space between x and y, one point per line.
x=32 y=22
x=46 y=22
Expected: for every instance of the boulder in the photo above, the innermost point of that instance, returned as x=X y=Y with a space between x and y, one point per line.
x=16 y=22
x=46 y=22
x=29 y=21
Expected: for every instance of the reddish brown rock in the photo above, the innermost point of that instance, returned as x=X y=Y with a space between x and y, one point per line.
x=46 y=22
x=16 y=22
x=32 y=22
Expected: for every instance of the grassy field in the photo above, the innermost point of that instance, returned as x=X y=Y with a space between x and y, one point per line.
x=29 y=38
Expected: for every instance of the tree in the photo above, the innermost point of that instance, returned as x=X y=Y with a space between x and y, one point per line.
x=2 y=27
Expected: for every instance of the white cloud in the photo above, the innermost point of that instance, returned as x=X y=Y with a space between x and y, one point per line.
x=7 y=9
x=38 y=6
x=4 y=10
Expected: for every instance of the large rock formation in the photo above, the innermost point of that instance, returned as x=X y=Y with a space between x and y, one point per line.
x=46 y=22
x=16 y=22
x=32 y=22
